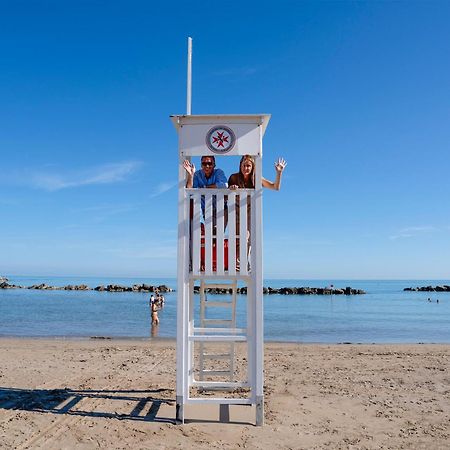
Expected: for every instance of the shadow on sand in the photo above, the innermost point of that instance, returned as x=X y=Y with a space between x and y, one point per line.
x=145 y=403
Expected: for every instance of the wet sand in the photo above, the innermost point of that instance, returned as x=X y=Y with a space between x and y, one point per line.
x=83 y=394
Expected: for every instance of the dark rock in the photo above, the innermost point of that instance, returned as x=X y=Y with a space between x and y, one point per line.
x=163 y=288
x=443 y=288
x=42 y=286
x=6 y=285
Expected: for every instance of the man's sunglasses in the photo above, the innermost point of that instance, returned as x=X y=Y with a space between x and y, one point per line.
x=207 y=163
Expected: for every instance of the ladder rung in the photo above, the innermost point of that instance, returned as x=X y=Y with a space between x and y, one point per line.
x=223 y=401
x=217 y=338
x=217 y=356
x=220 y=384
x=220 y=330
x=217 y=321
x=215 y=372
x=218 y=304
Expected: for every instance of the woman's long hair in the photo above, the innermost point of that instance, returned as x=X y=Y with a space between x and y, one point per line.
x=252 y=173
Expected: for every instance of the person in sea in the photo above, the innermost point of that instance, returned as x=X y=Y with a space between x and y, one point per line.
x=154 y=311
x=160 y=301
x=245 y=178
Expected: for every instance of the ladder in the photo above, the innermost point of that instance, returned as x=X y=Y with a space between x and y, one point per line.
x=209 y=324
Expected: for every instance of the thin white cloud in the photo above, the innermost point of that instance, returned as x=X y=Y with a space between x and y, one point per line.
x=163 y=187
x=410 y=232
x=104 y=174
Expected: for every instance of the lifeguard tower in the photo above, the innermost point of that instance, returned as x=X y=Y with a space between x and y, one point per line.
x=219 y=247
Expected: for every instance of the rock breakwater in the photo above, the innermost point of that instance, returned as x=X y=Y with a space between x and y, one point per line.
x=442 y=288
x=83 y=287
x=289 y=291
x=164 y=289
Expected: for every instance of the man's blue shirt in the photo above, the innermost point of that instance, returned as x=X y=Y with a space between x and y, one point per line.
x=217 y=177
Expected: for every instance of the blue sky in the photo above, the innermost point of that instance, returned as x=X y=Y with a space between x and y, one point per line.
x=359 y=94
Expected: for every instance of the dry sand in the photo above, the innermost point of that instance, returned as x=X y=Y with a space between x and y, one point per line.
x=119 y=394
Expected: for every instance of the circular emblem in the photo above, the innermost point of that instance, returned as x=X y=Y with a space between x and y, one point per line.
x=220 y=139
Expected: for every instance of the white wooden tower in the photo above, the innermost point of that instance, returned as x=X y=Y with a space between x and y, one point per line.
x=220 y=246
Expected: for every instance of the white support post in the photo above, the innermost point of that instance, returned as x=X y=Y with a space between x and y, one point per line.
x=257 y=276
x=182 y=297
x=189 y=79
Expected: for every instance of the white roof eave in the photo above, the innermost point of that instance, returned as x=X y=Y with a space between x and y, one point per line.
x=262 y=119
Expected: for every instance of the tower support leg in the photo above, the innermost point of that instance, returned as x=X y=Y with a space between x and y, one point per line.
x=179 y=417
x=259 y=411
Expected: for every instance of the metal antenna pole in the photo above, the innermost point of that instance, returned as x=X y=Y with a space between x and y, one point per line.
x=189 y=78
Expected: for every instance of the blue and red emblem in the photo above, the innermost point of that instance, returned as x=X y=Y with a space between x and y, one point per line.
x=220 y=139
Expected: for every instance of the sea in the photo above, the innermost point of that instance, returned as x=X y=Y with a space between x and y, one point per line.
x=385 y=314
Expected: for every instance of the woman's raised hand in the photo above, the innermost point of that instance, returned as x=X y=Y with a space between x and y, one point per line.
x=189 y=167
x=280 y=165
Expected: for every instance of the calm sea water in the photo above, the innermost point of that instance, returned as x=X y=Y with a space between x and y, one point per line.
x=385 y=314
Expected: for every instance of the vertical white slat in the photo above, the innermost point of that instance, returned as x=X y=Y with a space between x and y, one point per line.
x=191 y=330
x=232 y=233
x=196 y=234
x=208 y=234
x=251 y=237
x=254 y=233
x=219 y=233
x=202 y=324
x=233 y=318
x=243 y=232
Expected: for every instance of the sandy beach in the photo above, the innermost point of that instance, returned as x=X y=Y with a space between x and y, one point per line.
x=86 y=394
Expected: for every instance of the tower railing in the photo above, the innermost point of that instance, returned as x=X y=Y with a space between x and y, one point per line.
x=219 y=230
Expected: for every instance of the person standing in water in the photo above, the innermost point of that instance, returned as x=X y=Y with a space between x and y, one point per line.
x=154 y=311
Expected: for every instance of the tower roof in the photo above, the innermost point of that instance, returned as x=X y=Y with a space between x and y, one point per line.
x=259 y=119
